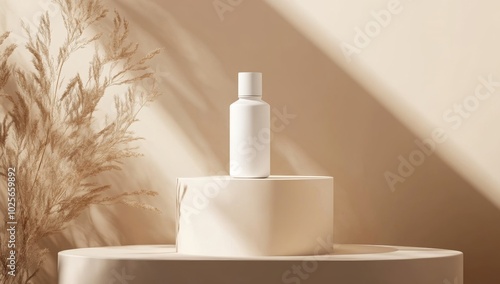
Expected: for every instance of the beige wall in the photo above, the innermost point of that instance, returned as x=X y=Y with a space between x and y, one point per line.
x=353 y=119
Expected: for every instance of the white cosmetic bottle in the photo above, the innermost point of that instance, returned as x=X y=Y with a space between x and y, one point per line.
x=249 y=130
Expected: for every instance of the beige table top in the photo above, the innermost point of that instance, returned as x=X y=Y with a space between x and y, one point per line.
x=353 y=264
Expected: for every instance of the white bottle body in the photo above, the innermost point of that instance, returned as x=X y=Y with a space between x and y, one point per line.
x=250 y=138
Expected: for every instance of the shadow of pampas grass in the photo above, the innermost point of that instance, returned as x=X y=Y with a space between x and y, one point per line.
x=52 y=147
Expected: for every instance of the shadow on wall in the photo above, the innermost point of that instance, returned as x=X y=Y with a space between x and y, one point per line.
x=334 y=127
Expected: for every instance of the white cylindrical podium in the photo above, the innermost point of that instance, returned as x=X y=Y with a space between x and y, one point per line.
x=278 y=215
x=349 y=264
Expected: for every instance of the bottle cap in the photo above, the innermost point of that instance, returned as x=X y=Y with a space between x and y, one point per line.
x=249 y=84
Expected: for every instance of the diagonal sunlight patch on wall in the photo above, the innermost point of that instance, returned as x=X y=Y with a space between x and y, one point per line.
x=419 y=60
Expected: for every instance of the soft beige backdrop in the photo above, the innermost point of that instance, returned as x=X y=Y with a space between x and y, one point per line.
x=351 y=119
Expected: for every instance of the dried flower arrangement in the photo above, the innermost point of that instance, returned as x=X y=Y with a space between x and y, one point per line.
x=49 y=133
